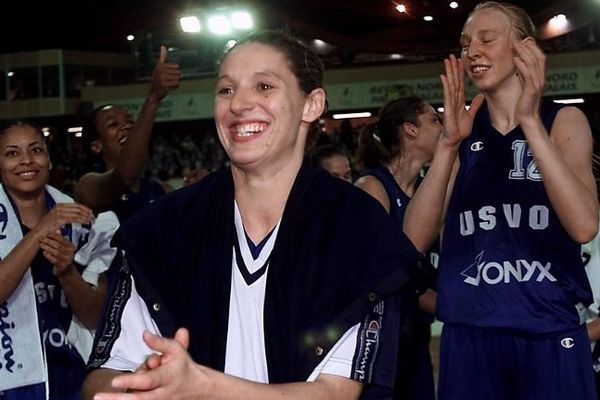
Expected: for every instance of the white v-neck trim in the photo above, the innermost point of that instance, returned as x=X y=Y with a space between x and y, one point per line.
x=253 y=265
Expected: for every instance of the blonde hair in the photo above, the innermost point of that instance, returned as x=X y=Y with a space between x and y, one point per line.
x=519 y=19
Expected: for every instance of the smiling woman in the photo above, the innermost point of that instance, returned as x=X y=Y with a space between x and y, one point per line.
x=262 y=118
x=523 y=198
x=24 y=161
x=53 y=245
x=258 y=264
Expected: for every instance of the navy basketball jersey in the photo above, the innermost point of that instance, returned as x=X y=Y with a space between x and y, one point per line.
x=506 y=260
x=414 y=374
x=66 y=367
x=398 y=199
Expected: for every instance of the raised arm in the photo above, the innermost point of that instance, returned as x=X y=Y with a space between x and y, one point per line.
x=101 y=190
x=425 y=212
x=564 y=157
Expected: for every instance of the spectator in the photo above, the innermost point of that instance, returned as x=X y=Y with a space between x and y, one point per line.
x=333 y=160
x=120 y=150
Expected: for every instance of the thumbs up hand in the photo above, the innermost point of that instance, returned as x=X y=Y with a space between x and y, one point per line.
x=166 y=76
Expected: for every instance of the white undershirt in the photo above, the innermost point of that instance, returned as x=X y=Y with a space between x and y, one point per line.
x=245 y=354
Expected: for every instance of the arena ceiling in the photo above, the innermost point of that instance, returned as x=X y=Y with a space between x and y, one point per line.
x=355 y=31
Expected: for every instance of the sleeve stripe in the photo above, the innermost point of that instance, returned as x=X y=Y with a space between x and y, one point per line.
x=111 y=327
x=367 y=345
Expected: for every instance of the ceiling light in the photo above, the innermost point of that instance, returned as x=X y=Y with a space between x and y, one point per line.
x=321 y=46
x=556 y=26
x=75 y=129
x=441 y=109
x=219 y=24
x=453 y=4
x=401 y=8
x=319 y=43
x=241 y=20
x=560 y=18
x=559 y=21
x=130 y=38
x=428 y=18
x=190 y=24
x=570 y=101
x=352 y=115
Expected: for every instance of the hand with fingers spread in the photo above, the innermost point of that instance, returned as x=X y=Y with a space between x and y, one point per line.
x=531 y=67
x=60 y=252
x=166 y=75
x=458 y=121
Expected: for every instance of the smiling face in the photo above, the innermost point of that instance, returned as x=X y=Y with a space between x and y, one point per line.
x=261 y=113
x=113 y=124
x=24 y=160
x=487 y=48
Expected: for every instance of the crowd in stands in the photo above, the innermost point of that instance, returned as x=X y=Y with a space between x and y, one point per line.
x=174 y=152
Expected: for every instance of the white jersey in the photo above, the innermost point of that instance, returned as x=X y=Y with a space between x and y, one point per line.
x=245 y=354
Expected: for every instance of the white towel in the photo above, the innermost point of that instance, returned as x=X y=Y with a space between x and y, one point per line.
x=21 y=354
x=22 y=360
x=96 y=255
x=592 y=270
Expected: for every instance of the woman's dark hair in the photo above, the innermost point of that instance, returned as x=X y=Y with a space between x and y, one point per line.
x=89 y=161
x=380 y=142
x=305 y=64
x=7 y=124
x=323 y=152
x=90 y=132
